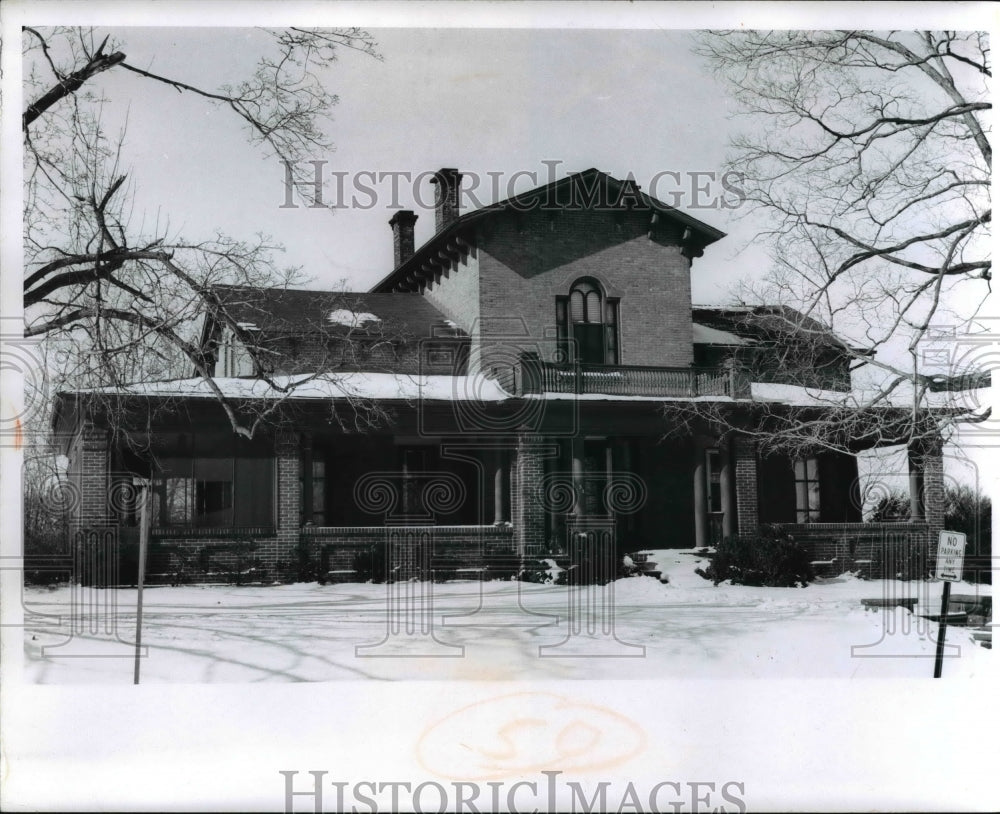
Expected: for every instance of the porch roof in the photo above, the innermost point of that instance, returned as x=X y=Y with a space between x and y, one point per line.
x=365 y=385
x=479 y=388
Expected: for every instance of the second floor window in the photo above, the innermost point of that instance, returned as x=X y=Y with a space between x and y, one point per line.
x=591 y=320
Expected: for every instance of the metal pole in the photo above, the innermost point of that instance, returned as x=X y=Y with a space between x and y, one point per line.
x=143 y=543
x=942 y=625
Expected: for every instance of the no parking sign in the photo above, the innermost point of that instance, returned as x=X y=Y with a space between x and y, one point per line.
x=950 y=556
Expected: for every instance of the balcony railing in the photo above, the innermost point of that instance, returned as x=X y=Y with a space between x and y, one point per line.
x=534 y=376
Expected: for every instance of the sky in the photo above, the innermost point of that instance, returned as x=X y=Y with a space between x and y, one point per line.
x=484 y=101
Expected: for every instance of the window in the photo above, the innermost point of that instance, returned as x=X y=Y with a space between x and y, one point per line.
x=225 y=484
x=415 y=464
x=591 y=320
x=313 y=485
x=234 y=359
x=806 y=490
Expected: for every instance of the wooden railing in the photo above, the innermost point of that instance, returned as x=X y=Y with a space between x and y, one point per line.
x=535 y=376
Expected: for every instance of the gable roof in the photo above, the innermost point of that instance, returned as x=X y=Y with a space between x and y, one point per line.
x=298 y=311
x=767 y=324
x=587 y=181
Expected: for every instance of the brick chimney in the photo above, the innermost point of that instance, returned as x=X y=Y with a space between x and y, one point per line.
x=447 y=181
x=402 y=236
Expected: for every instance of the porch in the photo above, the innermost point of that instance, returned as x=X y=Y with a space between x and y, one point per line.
x=469 y=506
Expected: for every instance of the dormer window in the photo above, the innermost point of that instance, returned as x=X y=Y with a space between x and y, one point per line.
x=590 y=319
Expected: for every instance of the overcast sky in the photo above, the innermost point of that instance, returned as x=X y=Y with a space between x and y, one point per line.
x=484 y=101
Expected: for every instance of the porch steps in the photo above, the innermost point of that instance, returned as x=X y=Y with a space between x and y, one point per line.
x=646 y=566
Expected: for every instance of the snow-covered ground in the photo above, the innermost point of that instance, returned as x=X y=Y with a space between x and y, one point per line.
x=686 y=629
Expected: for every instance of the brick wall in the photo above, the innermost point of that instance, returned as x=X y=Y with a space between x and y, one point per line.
x=745 y=470
x=455 y=293
x=526 y=259
x=287 y=506
x=90 y=476
x=527 y=512
x=875 y=550
x=338 y=549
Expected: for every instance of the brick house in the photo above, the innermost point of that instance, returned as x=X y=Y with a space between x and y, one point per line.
x=503 y=393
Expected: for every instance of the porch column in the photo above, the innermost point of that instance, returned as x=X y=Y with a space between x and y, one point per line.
x=745 y=469
x=501 y=487
x=916 y=466
x=91 y=473
x=288 y=511
x=700 y=497
x=528 y=509
x=726 y=488
x=576 y=450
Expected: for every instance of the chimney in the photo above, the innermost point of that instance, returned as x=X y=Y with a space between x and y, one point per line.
x=446 y=197
x=402 y=236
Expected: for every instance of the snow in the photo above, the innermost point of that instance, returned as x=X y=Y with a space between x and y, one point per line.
x=902 y=396
x=685 y=628
x=797 y=395
x=351 y=319
x=703 y=335
x=327 y=386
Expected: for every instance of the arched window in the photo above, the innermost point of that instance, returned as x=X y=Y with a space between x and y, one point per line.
x=585 y=303
x=590 y=319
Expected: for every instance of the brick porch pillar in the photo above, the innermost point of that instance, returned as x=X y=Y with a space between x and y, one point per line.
x=745 y=469
x=527 y=510
x=933 y=498
x=92 y=477
x=288 y=511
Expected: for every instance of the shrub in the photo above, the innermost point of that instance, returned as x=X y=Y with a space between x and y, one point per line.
x=774 y=561
x=544 y=571
x=372 y=565
x=301 y=567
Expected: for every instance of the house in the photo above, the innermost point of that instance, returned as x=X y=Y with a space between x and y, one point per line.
x=532 y=379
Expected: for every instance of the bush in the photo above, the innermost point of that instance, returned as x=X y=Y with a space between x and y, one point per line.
x=372 y=565
x=544 y=571
x=773 y=561
x=302 y=567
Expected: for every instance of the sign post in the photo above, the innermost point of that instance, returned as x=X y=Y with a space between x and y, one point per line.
x=144 y=523
x=950 y=559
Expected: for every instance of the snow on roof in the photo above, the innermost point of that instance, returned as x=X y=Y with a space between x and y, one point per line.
x=393 y=386
x=901 y=396
x=703 y=335
x=796 y=394
x=351 y=319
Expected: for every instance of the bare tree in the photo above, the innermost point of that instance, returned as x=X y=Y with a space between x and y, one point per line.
x=867 y=156
x=117 y=303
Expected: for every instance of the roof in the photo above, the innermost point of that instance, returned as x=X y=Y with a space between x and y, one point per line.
x=534 y=198
x=766 y=324
x=291 y=310
x=360 y=385
x=703 y=335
